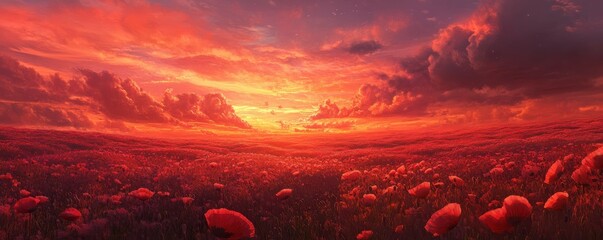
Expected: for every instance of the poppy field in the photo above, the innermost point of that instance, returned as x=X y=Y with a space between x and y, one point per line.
x=525 y=181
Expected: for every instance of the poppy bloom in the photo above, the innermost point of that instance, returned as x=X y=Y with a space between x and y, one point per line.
x=42 y=199
x=388 y=190
x=187 y=200
x=24 y=193
x=509 y=165
x=517 y=208
x=496 y=171
x=115 y=199
x=284 y=193
x=163 y=194
x=71 y=214
x=444 y=219
x=369 y=199
x=366 y=234
x=582 y=175
x=399 y=229
x=351 y=175
x=554 y=171
x=457 y=181
x=218 y=186
x=26 y=205
x=594 y=160
x=421 y=190
x=6 y=177
x=496 y=220
x=228 y=224
x=142 y=194
x=557 y=201
x=568 y=157
x=401 y=169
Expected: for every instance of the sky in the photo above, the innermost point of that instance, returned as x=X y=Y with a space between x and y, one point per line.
x=298 y=66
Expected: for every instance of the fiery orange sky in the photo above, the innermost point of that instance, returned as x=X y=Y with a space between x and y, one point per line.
x=298 y=66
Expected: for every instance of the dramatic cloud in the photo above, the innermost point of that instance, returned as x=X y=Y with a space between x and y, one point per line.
x=366 y=47
x=289 y=53
x=329 y=109
x=325 y=126
x=27 y=98
x=121 y=98
x=417 y=59
x=18 y=83
x=42 y=115
x=211 y=107
x=508 y=52
x=538 y=47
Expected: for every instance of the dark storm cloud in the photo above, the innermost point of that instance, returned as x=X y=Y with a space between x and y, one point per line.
x=27 y=98
x=507 y=52
x=207 y=108
x=18 y=83
x=121 y=98
x=42 y=115
x=363 y=48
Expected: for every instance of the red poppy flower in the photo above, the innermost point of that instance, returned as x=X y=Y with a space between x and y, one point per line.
x=187 y=200
x=554 y=171
x=351 y=175
x=557 y=201
x=444 y=219
x=71 y=214
x=142 y=194
x=218 y=186
x=284 y=194
x=496 y=171
x=26 y=205
x=401 y=169
x=496 y=220
x=594 y=160
x=421 y=190
x=457 y=181
x=228 y=224
x=582 y=175
x=369 y=199
x=42 y=199
x=364 y=235
x=517 y=208
x=6 y=177
x=24 y=193
x=399 y=229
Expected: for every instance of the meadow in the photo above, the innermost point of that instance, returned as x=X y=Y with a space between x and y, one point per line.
x=87 y=185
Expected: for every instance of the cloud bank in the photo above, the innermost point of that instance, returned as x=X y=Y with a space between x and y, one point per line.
x=27 y=98
x=508 y=52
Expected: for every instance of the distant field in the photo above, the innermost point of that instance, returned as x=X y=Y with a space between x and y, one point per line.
x=98 y=174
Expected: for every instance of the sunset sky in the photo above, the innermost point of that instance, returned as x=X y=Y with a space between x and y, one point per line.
x=298 y=65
